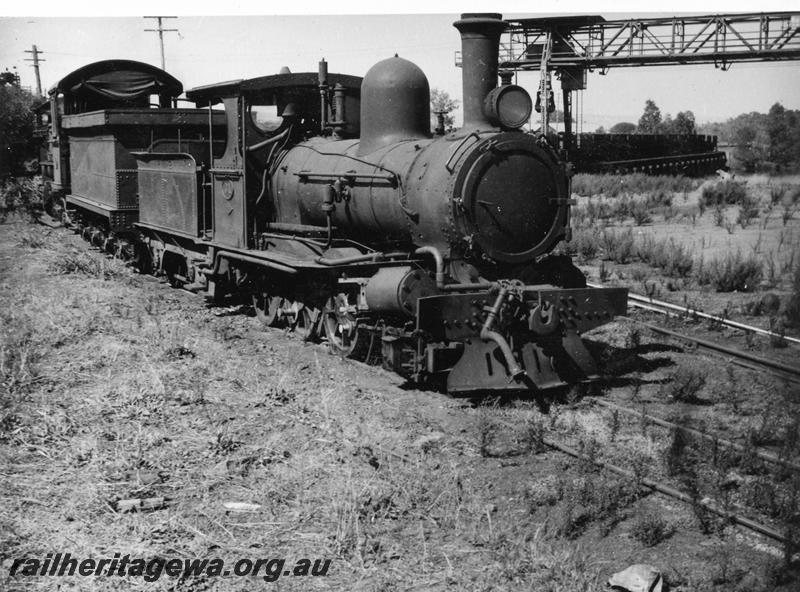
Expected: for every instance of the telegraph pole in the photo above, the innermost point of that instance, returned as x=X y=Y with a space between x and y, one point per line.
x=35 y=59
x=161 y=32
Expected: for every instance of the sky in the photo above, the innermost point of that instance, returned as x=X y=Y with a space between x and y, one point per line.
x=242 y=41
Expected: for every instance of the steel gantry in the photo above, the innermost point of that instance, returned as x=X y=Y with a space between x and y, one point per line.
x=570 y=46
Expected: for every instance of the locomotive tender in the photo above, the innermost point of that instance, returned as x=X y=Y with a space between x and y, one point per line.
x=99 y=115
x=328 y=200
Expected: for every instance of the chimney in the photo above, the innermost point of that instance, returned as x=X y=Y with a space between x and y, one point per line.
x=480 y=41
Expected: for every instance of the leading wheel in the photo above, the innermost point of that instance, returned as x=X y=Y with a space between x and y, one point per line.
x=306 y=323
x=344 y=336
x=268 y=308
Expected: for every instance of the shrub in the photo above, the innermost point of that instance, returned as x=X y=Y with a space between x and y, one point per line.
x=650 y=528
x=622 y=209
x=669 y=212
x=673 y=258
x=748 y=211
x=724 y=193
x=776 y=193
x=585 y=243
x=660 y=198
x=732 y=273
x=792 y=309
x=701 y=205
x=597 y=210
x=677 y=260
x=640 y=212
x=684 y=385
x=619 y=247
x=719 y=215
x=789 y=207
x=22 y=195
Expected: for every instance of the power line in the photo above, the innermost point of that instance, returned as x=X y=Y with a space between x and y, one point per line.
x=161 y=32
x=35 y=59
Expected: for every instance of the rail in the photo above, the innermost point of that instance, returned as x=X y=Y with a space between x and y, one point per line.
x=653 y=305
x=765 y=456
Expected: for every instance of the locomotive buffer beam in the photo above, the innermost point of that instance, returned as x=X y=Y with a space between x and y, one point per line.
x=541 y=327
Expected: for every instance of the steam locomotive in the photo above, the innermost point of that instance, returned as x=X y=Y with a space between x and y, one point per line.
x=326 y=199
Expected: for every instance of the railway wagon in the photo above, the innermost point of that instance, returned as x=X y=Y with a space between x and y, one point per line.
x=688 y=154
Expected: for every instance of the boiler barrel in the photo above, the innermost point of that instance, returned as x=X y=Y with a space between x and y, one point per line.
x=366 y=193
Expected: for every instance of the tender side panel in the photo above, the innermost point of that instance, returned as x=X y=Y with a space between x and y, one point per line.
x=168 y=196
x=103 y=171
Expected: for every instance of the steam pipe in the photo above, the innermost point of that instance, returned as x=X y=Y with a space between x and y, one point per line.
x=269 y=141
x=438 y=259
x=377 y=256
x=487 y=334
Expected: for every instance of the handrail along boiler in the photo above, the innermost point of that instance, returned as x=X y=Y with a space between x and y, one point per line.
x=343 y=215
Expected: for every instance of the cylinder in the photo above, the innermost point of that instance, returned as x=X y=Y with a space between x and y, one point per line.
x=480 y=39
x=396 y=290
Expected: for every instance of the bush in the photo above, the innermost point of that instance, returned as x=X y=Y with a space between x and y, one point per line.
x=585 y=243
x=776 y=193
x=619 y=247
x=677 y=260
x=597 y=210
x=733 y=273
x=673 y=258
x=650 y=528
x=23 y=195
x=684 y=385
x=640 y=212
x=792 y=310
x=724 y=193
x=748 y=211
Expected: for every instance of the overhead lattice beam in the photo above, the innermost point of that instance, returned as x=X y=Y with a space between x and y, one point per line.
x=591 y=42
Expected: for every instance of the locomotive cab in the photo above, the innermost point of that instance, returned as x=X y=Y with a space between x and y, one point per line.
x=265 y=115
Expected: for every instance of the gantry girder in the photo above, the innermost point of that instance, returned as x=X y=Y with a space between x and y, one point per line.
x=591 y=42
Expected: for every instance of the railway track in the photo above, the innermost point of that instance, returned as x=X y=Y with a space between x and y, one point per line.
x=741 y=358
x=732 y=355
x=732 y=515
x=714 y=439
x=669 y=309
x=669 y=491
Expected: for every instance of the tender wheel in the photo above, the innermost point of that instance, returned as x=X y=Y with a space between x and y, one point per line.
x=268 y=308
x=175 y=270
x=341 y=329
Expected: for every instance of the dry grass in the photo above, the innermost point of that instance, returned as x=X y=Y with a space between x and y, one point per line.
x=125 y=389
x=115 y=387
x=88 y=264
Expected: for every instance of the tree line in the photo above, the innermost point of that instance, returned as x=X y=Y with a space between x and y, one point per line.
x=757 y=142
x=761 y=142
x=652 y=122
